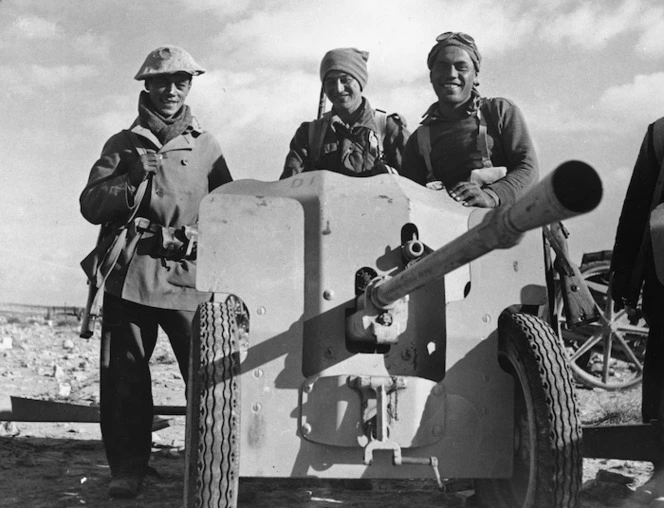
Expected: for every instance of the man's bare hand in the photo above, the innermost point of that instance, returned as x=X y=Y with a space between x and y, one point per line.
x=471 y=194
x=147 y=164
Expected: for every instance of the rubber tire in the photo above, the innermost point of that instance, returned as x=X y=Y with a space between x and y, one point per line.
x=213 y=409
x=548 y=457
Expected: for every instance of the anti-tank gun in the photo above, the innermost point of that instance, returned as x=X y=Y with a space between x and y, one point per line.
x=392 y=333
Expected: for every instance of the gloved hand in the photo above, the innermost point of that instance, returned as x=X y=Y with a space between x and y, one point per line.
x=147 y=164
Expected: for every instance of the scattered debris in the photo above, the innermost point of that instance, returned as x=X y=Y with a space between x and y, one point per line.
x=9 y=429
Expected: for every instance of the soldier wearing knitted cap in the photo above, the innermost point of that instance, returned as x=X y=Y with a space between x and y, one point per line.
x=144 y=191
x=477 y=148
x=353 y=138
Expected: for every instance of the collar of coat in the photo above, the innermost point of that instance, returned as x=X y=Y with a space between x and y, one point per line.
x=433 y=114
x=183 y=142
x=366 y=118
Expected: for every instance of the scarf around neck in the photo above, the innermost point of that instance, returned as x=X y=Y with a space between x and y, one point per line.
x=164 y=128
x=474 y=104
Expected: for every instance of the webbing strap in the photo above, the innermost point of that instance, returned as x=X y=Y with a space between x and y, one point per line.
x=112 y=255
x=424 y=144
x=482 y=140
x=380 y=118
x=317 y=130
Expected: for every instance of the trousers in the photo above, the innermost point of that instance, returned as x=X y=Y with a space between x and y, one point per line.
x=129 y=336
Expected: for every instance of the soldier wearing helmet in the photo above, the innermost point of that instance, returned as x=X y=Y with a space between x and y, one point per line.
x=144 y=191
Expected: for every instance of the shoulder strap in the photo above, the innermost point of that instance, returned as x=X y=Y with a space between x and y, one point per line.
x=482 y=138
x=317 y=130
x=424 y=145
x=111 y=256
x=380 y=118
x=424 y=142
x=140 y=191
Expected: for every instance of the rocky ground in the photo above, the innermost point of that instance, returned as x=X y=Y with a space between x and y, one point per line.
x=63 y=464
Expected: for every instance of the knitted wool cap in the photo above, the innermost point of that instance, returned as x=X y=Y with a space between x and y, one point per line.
x=459 y=39
x=350 y=60
x=168 y=60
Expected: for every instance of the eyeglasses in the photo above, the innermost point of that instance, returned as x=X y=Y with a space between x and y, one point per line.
x=465 y=38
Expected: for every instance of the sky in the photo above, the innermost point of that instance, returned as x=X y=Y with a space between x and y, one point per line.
x=588 y=76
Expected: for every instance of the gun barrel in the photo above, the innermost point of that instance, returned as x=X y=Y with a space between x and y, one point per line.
x=572 y=189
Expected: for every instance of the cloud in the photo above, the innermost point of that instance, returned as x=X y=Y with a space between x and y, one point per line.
x=93 y=45
x=222 y=8
x=591 y=25
x=32 y=27
x=295 y=35
x=23 y=80
x=638 y=102
x=650 y=44
x=554 y=117
x=52 y=77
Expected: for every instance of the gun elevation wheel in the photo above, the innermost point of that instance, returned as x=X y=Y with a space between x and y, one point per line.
x=607 y=353
x=213 y=407
x=547 y=432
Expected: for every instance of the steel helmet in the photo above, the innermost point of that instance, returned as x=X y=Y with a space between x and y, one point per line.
x=168 y=60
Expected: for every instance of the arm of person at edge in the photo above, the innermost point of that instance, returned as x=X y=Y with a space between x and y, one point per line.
x=109 y=193
x=633 y=221
x=519 y=160
x=297 y=160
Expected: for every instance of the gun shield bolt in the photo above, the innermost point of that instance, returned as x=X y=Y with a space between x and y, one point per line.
x=486 y=318
x=308 y=387
x=329 y=352
x=328 y=294
x=306 y=429
x=406 y=355
x=437 y=390
x=261 y=311
x=258 y=373
x=384 y=318
x=256 y=407
x=574 y=288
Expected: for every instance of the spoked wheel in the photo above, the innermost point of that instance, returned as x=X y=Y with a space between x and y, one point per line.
x=547 y=433
x=608 y=353
x=213 y=405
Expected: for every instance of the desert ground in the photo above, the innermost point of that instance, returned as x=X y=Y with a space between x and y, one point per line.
x=63 y=464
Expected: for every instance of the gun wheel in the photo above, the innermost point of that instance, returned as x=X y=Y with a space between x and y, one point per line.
x=548 y=458
x=607 y=353
x=213 y=407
